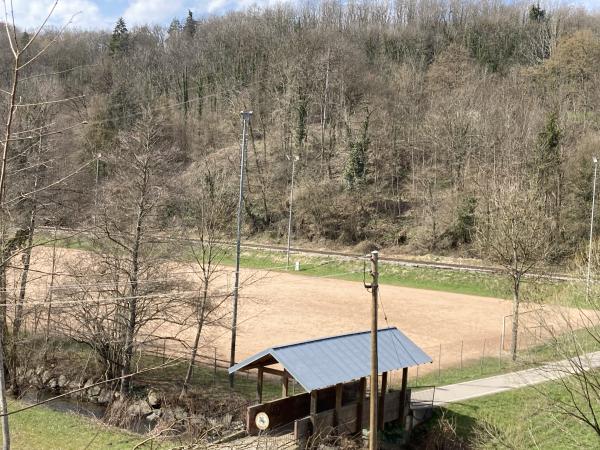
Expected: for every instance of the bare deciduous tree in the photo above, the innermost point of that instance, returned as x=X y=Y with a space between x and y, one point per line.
x=210 y=212
x=574 y=340
x=20 y=59
x=515 y=236
x=129 y=296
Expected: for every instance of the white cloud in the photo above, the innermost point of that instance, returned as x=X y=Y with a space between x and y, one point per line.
x=141 y=12
x=592 y=5
x=221 y=6
x=30 y=14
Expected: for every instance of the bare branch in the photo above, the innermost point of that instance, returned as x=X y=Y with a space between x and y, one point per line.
x=48 y=102
x=40 y=28
x=6 y=25
x=43 y=49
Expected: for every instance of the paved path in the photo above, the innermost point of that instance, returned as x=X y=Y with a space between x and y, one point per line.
x=500 y=383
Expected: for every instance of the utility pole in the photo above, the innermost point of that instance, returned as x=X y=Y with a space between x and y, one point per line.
x=96 y=186
x=595 y=160
x=245 y=121
x=374 y=357
x=294 y=159
x=587 y=290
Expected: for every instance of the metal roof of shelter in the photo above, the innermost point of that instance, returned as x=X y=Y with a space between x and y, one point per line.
x=320 y=363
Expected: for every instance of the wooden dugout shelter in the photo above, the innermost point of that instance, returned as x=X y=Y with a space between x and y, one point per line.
x=333 y=372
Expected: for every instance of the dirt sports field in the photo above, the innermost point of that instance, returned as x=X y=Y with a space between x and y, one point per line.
x=278 y=308
x=285 y=308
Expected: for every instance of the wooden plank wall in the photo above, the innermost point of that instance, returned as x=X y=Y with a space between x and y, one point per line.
x=286 y=410
x=347 y=418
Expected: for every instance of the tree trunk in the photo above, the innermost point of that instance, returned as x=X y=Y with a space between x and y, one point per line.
x=515 y=321
x=3 y=405
x=3 y=368
x=132 y=302
x=190 y=370
x=324 y=112
x=50 y=292
x=18 y=320
x=4 y=253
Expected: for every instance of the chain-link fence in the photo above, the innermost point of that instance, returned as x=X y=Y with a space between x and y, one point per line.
x=470 y=359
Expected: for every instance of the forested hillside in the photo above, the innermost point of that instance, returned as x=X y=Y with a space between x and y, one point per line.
x=410 y=122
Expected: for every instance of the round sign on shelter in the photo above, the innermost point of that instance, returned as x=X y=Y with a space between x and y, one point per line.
x=262 y=421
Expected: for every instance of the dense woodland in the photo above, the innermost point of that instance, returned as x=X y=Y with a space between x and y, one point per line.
x=407 y=119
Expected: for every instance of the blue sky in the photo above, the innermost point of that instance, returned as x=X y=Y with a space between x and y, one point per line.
x=103 y=13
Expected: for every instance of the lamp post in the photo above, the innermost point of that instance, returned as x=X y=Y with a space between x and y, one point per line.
x=595 y=160
x=293 y=158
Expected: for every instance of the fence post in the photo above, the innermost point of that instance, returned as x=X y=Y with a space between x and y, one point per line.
x=164 y=350
x=462 y=343
x=502 y=337
x=215 y=368
x=440 y=363
x=500 y=354
x=482 y=355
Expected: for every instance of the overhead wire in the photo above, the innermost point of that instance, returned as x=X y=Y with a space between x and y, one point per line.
x=47 y=74
x=100 y=300
x=136 y=114
x=388 y=325
x=66 y=177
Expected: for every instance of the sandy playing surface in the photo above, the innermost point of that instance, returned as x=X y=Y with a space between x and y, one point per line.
x=279 y=308
x=285 y=308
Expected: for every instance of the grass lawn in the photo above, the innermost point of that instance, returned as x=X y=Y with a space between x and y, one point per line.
x=41 y=428
x=523 y=419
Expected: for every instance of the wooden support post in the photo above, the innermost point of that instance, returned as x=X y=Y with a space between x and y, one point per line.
x=384 y=378
x=403 y=396
x=259 y=385
x=339 y=390
x=313 y=410
x=284 y=385
x=360 y=400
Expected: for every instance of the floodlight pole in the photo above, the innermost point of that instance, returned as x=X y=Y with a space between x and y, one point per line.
x=374 y=357
x=96 y=186
x=294 y=159
x=595 y=160
x=245 y=121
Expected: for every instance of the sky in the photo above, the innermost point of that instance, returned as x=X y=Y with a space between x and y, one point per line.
x=102 y=14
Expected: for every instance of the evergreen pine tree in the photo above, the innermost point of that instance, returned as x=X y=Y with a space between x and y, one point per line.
x=356 y=166
x=119 y=42
x=302 y=111
x=536 y=13
x=190 y=25
x=548 y=148
x=25 y=37
x=175 y=27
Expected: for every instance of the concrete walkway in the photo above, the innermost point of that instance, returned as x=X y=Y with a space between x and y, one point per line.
x=458 y=392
